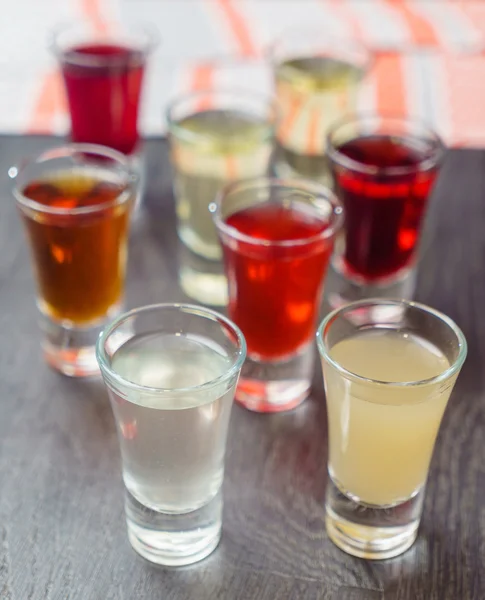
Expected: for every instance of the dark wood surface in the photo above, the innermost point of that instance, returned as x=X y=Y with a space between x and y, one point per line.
x=62 y=528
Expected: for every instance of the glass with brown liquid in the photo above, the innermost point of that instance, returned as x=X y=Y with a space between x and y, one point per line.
x=75 y=202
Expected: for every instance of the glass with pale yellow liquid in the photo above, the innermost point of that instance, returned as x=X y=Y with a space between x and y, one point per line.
x=216 y=137
x=389 y=368
x=317 y=79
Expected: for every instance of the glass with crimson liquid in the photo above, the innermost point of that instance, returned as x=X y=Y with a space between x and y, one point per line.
x=277 y=237
x=103 y=76
x=384 y=169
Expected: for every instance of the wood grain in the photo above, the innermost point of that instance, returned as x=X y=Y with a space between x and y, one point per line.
x=62 y=531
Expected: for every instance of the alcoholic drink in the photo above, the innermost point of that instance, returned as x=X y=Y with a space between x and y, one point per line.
x=172 y=445
x=209 y=149
x=274 y=285
x=313 y=92
x=389 y=367
x=382 y=437
x=78 y=236
x=384 y=182
x=103 y=84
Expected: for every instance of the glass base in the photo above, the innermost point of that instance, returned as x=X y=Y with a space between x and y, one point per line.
x=371 y=532
x=341 y=290
x=276 y=386
x=202 y=279
x=79 y=362
x=173 y=539
x=289 y=164
x=70 y=349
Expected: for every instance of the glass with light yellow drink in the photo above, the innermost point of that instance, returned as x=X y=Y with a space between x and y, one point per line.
x=317 y=79
x=389 y=369
x=216 y=137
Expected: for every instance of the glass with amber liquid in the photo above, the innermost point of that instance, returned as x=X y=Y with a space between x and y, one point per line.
x=75 y=202
x=317 y=80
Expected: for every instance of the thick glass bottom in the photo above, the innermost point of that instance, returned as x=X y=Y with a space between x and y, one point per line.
x=371 y=532
x=341 y=290
x=206 y=288
x=202 y=279
x=173 y=539
x=292 y=164
x=70 y=349
x=276 y=386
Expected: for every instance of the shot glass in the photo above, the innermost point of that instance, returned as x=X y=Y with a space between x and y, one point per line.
x=171 y=371
x=215 y=137
x=277 y=237
x=317 y=79
x=389 y=368
x=384 y=169
x=75 y=202
x=103 y=76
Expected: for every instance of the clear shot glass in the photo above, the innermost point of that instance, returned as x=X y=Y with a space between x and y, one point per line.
x=317 y=79
x=171 y=371
x=277 y=237
x=216 y=137
x=384 y=169
x=103 y=74
x=75 y=202
x=389 y=368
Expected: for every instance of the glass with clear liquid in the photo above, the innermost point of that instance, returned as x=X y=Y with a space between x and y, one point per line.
x=389 y=369
x=215 y=138
x=171 y=372
x=317 y=79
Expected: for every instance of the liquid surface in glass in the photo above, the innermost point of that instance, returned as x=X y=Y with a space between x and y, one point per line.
x=274 y=290
x=79 y=258
x=384 y=212
x=382 y=437
x=103 y=84
x=172 y=445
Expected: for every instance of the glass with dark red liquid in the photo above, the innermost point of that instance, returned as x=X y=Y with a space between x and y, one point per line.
x=384 y=170
x=103 y=76
x=277 y=238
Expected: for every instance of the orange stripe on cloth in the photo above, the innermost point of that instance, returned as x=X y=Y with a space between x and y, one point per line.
x=422 y=31
x=91 y=10
x=390 y=85
x=50 y=101
x=314 y=141
x=202 y=78
x=289 y=117
x=239 y=28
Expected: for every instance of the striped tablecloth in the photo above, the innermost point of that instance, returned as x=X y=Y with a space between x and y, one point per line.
x=430 y=60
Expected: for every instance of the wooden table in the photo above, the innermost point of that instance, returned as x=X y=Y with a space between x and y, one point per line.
x=62 y=528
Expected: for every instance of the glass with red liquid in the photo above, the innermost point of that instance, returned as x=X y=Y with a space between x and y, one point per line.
x=277 y=237
x=384 y=169
x=103 y=76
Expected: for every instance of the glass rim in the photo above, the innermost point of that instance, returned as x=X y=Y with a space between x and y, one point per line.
x=334 y=41
x=266 y=100
x=97 y=60
x=67 y=150
x=446 y=374
x=180 y=307
x=352 y=164
x=310 y=187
